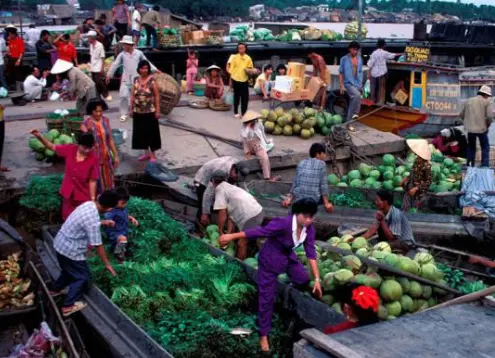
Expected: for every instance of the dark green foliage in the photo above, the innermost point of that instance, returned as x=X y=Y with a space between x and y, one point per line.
x=351 y=199
x=185 y=298
x=42 y=193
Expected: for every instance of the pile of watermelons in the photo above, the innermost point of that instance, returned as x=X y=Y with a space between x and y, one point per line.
x=54 y=136
x=445 y=175
x=325 y=122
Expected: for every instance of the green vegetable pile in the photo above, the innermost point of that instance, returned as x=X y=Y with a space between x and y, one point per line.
x=42 y=193
x=455 y=279
x=351 y=199
x=185 y=298
x=325 y=122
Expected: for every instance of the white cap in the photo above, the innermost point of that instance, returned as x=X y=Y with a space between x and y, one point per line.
x=92 y=33
x=127 y=40
x=61 y=66
x=445 y=133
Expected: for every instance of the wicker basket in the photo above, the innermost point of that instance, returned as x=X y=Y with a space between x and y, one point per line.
x=72 y=125
x=170 y=92
x=57 y=124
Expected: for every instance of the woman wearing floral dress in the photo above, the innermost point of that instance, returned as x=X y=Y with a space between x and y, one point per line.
x=145 y=109
x=105 y=148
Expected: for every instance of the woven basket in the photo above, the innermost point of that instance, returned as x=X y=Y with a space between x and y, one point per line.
x=198 y=104
x=170 y=92
x=72 y=125
x=57 y=124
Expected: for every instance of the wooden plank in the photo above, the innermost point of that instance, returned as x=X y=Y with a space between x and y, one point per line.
x=330 y=345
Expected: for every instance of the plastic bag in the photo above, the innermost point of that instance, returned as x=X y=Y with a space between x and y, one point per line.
x=367 y=89
x=3 y=92
x=55 y=96
x=228 y=98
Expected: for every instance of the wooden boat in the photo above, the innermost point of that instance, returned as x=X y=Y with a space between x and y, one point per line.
x=410 y=336
x=435 y=95
x=17 y=324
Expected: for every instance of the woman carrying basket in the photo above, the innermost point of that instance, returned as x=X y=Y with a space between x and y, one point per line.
x=145 y=110
x=105 y=148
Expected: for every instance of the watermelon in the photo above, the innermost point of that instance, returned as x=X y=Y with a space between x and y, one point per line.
x=397 y=180
x=388 y=160
x=354 y=174
x=364 y=169
x=337 y=119
x=375 y=174
x=344 y=179
x=388 y=175
x=356 y=183
x=333 y=179
x=388 y=184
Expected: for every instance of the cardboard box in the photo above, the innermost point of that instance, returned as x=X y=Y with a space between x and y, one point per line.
x=301 y=95
x=401 y=96
x=296 y=69
x=284 y=84
x=314 y=86
x=296 y=84
x=198 y=37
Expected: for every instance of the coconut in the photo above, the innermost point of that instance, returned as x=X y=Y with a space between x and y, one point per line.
x=343 y=276
x=347 y=238
x=296 y=129
x=373 y=280
x=334 y=240
x=264 y=113
x=382 y=312
x=337 y=307
x=362 y=252
x=382 y=246
x=391 y=260
x=404 y=282
x=393 y=308
x=359 y=243
x=431 y=272
x=328 y=299
x=379 y=255
x=420 y=305
x=427 y=291
x=415 y=289
x=329 y=282
x=351 y=262
x=269 y=126
x=408 y=265
x=305 y=134
x=344 y=246
x=390 y=290
x=406 y=303
x=279 y=111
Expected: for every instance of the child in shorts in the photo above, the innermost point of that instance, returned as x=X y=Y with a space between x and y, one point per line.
x=116 y=225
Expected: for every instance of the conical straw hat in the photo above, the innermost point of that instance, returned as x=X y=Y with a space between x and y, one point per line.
x=420 y=148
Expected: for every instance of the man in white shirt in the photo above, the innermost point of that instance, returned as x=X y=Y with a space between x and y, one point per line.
x=34 y=84
x=97 y=64
x=136 y=24
x=378 y=71
x=236 y=204
x=32 y=36
x=128 y=59
x=3 y=51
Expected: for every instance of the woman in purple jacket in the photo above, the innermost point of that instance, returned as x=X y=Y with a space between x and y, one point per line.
x=277 y=256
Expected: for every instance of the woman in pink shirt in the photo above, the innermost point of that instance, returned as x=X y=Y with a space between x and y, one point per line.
x=81 y=171
x=192 y=69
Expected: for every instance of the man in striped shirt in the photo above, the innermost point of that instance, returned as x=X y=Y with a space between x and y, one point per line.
x=311 y=179
x=391 y=224
x=82 y=228
x=378 y=71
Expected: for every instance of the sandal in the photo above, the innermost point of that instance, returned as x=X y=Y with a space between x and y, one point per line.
x=144 y=157
x=77 y=306
x=62 y=292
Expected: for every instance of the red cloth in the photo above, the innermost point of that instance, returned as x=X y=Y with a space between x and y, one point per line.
x=339 y=327
x=441 y=144
x=68 y=206
x=75 y=185
x=16 y=47
x=66 y=51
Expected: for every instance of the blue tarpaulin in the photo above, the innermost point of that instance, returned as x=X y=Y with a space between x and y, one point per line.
x=476 y=183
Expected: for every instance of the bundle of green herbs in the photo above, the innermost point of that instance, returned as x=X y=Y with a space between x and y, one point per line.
x=42 y=193
x=185 y=298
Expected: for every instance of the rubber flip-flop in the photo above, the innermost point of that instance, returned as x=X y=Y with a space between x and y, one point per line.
x=74 y=308
x=62 y=292
x=144 y=157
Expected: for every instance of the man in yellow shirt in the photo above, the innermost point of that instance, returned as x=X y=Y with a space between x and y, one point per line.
x=239 y=63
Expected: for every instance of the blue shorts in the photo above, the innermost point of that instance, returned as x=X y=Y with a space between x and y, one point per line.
x=136 y=33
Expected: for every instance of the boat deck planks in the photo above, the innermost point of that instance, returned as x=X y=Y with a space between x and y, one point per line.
x=369 y=141
x=445 y=332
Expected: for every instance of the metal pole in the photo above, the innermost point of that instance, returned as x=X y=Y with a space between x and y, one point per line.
x=20 y=16
x=360 y=19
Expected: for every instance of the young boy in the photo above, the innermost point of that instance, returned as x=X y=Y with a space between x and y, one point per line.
x=82 y=228
x=116 y=224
